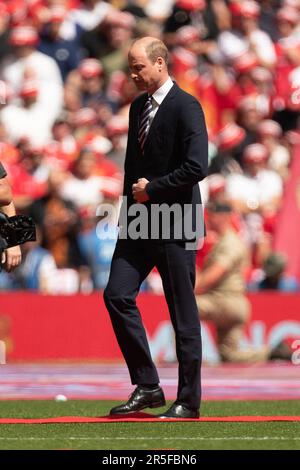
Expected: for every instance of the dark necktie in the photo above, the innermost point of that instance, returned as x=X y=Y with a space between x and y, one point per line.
x=145 y=122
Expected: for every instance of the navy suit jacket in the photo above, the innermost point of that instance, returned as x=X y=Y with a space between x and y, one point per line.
x=175 y=156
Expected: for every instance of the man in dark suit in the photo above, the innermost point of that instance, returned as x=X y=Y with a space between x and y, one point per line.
x=166 y=158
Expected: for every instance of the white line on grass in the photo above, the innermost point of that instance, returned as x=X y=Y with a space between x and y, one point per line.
x=73 y=438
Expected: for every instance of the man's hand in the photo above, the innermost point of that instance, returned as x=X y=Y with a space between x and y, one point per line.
x=11 y=258
x=139 y=190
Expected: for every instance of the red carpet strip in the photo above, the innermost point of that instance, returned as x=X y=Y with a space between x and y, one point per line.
x=144 y=418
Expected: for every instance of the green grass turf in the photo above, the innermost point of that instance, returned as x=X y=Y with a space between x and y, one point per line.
x=148 y=436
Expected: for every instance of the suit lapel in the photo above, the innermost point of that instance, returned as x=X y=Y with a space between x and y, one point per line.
x=160 y=114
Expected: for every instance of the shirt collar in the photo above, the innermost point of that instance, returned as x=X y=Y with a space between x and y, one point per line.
x=160 y=94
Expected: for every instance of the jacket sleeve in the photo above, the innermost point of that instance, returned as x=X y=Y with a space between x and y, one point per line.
x=195 y=155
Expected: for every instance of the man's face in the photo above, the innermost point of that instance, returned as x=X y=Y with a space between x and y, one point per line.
x=118 y=35
x=253 y=168
x=143 y=72
x=92 y=84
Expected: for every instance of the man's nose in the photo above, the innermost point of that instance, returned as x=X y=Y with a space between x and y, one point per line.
x=133 y=75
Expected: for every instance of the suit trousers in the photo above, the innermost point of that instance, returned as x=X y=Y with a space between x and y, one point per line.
x=132 y=262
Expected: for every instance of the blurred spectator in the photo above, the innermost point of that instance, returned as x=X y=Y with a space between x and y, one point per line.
x=109 y=41
x=229 y=139
x=121 y=91
x=257 y=195
x=255 y=85
x=269 y=134
x=259 y=41
x=273 y=276
x=259 y=189
x=88 y=15
x=37 y=269
x=85 y=124
x=26 y=119
x=287 y=22
x=63 y=149
x=65 y=53
x=39 y=272
x=27 y=63
x=28 y=174
x=248 y=117
x=59 y=223
x=158 y=11
x=116 y=130
x=97 y=239
x=246 y=35
x=220 y=288
x=83 y=186
x=198 y=77
x=32 y=161
x=214 y=192
x=217 y=193
x=207 y=16
x=286 y=102
x=220 y=292
x=267 y=20
x=85 y=87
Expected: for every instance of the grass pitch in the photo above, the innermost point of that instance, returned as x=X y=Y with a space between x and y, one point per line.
x=148 y=436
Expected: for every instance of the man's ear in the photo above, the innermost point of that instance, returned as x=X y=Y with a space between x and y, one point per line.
x=160 y=63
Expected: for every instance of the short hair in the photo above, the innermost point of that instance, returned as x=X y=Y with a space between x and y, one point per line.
x=157 y=49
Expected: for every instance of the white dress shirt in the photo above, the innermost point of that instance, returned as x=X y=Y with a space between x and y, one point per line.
x=158 y=97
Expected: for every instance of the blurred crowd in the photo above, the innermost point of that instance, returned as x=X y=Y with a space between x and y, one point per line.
x=65 y=93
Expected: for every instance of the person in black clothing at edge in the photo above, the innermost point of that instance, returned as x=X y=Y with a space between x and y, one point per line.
x=167 y=155
x=11 y=257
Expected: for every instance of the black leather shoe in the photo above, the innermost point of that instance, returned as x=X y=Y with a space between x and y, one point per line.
x=179 y=411
x=139 y=400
